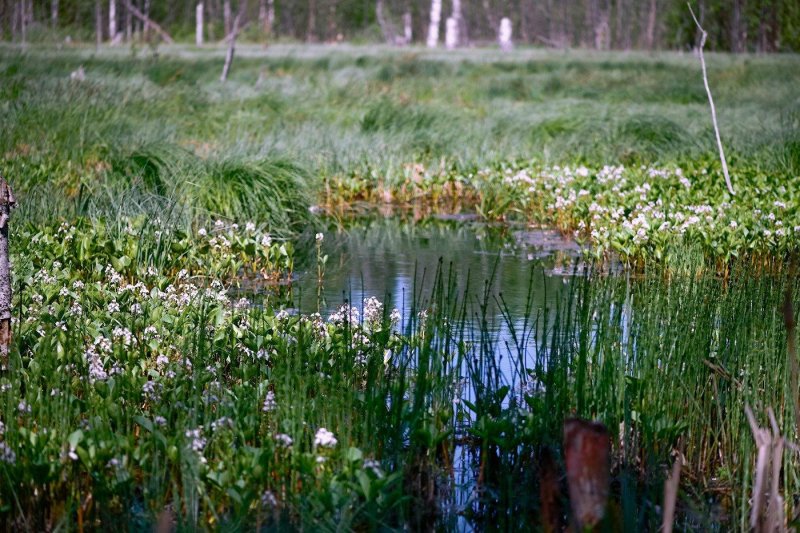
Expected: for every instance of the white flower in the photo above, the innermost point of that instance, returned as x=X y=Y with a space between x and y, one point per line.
x=250 y=227
x=319 y=237
x=7 y=455
x=324 y=438
x=269 y=403
x=266 y=240
x=283 y=439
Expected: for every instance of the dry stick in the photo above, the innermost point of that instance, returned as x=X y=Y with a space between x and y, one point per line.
x=763 y=440
x=148 y=22
x=7 y=201
x=231 y=46
x=703 y=36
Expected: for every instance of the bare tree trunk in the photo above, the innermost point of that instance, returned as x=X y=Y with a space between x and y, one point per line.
x=458 y=15
x=408 y=28
x=264 y=20
x=198 y=28
x=226 y=16
x=311 y=28
x=145 y=25
x=435 y=20
x=112 y=20
x=226 y=68
x=54 y=14
x=6 y=203
x=736 y=23
x=387 y=28
x=98 y=23
x=128 y=25
x=23 y=20
x=271 y=15
x=651 y=24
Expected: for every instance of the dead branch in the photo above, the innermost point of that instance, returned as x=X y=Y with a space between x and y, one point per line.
x=148 y=22
x=703 y=36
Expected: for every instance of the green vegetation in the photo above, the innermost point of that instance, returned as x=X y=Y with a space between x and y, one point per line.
x=149 y=192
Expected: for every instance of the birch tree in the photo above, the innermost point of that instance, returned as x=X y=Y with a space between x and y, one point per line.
x=435 y=21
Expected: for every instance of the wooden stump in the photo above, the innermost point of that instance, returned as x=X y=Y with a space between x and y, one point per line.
x=587 y=451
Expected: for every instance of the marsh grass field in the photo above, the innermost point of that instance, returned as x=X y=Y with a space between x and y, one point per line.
x=160 y=373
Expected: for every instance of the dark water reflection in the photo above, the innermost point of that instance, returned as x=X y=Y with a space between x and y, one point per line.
x=397 y=262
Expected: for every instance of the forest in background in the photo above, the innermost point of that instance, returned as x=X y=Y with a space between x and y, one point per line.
x=733 y=25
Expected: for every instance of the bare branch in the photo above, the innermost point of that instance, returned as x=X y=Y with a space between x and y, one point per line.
x=703 y=36
x=148 y=22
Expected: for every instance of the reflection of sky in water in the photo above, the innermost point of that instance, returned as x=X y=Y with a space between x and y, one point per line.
x=397 y=263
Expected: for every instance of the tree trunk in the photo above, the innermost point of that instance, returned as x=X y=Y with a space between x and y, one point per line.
x=128 y=25
x=435 y=20
x=386 y=26
x=145 y=25
x=6 y=203
x=226 y=68
x=98 y=23
x=311 y=27
x=458 y=14
x=408 y=28
x=226 y=16
x=23 y=21
x=651 y=24
x=736 y=26
x=54 y=14
x=198 y=27
x=266 y=12
x=112 y=20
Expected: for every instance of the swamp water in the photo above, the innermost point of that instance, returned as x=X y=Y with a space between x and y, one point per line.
x=531 y=336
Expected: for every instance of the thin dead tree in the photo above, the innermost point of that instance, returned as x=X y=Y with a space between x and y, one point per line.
x=703 y=37
x=7 y=202
x=226 y=68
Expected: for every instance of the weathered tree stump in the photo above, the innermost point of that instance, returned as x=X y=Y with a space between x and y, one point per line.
x=7 y=202
x=587 y=451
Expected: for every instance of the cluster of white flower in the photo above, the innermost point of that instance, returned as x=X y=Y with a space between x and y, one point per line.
x=345 y=315
x=324 y=438
x=269 y=403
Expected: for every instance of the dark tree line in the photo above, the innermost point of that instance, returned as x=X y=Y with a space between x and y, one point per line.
x=732 y=25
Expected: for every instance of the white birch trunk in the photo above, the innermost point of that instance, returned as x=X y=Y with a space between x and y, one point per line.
x=435 y=20
x=408 y=32
x=451 y=33
x=504 y=35
x=198 y=28
x=112 y=20
x=54 y=13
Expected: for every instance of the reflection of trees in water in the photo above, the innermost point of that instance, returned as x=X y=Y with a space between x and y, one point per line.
x=382 y=256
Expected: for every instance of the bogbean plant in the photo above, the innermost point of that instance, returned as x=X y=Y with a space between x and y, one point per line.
x=640 y=213
x=138 y=386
